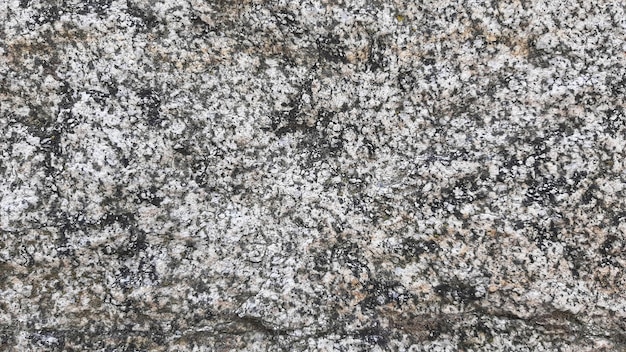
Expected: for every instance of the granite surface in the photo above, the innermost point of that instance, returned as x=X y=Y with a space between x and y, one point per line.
x=360 y=175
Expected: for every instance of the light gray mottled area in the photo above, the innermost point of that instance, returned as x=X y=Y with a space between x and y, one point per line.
x=312 y=176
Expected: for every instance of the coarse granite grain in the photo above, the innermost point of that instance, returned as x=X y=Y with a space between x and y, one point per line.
x=359 y=175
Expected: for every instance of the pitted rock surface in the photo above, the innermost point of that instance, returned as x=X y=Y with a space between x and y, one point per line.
x=359 y=175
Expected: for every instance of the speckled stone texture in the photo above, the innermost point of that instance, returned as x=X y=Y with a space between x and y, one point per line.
x=356 y=175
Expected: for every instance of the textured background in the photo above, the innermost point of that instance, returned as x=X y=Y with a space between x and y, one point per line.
x=317 y=175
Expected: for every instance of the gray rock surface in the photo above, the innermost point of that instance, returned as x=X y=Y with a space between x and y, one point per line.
x=355 y=175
